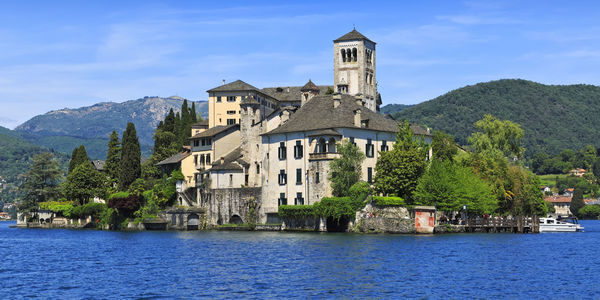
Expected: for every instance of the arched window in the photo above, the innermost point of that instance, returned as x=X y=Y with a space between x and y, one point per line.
x=354 y=54
x=322 y=146
x=348 y=55
x=343 y=55
x=331 y=145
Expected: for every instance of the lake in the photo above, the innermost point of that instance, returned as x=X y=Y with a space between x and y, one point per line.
x=68 y=264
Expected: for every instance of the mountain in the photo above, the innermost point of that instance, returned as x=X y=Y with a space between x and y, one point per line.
x=553 y=117
x=393 y=108
x=16 y=155
x=65 y=129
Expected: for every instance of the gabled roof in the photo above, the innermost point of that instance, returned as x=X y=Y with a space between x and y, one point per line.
x=353 y=36
x=232 y=161
x=237 y=85
x=98 y=164
x=177 y=158
x=291 y=93
x=216 y=130
x=319 y=113
x=310 y=86
x=558 y=199
x=250 y=100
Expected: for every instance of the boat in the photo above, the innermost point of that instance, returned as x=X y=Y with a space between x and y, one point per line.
x=554 y=225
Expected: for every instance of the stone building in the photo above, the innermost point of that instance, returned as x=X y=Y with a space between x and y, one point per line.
x=273 y=146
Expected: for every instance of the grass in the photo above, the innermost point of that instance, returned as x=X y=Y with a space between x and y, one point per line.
x=550 y=179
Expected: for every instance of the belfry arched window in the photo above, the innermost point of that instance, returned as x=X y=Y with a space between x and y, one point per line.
x=343 y=52
x=354 y=54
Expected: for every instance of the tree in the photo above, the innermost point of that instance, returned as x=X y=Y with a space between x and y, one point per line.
x=449 y=187
x=79 y=156
x=577 y=201
x=345 y=171
x=130 y=157
x=497 y=135
x=397 y=171
x=169 y=124
x=113 y=157
x=193 y=113
x=41 y=182
x=443 y=146
x=84 y=183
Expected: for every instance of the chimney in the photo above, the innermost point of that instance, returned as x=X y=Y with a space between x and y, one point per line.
x=285 y=116
x=357 y=118
x=359 y=99
x=223 y=81
x=337 y=100
x=222 y=159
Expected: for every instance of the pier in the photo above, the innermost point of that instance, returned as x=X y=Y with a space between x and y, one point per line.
x=521 y=224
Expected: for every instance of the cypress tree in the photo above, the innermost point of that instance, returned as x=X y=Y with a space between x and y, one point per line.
x=577 y=201
x=169 y=124
x=130 y=157
x=186 y=124
x=193 y=113
x=113 y=157
x=78 y=156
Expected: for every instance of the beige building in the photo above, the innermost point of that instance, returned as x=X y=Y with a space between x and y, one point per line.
x=224 y=102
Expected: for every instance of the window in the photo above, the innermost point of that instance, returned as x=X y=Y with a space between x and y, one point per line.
x=230 y=179
x=195 y=159
x=282 y=151
x=299 y=200
x=230 y=98
x=370 y=149
x=208 y=158
x=201 y=159
x=352 y=141
x=257 y=169
x=370 y=175
x=196 y=143
x=298 y=150
x=230 y=121
x=317 y=179
x=203 y=142
x=208 y=142
x=231 y=112
x=298 y=176
x=282 y=178
x=282 y=199
x=384 y=146
x=218 y=98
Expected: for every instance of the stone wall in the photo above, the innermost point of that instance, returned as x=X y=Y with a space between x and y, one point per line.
x=393 y=219
x=223 y=204
x=304 y=224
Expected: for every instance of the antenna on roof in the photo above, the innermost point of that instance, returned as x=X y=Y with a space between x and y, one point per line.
x=354 y=25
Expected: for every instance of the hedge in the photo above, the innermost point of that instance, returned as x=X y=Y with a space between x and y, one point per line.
x=388 y=201
x=296 y=211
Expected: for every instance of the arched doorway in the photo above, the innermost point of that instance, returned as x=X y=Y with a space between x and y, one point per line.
x=235 y=219
x=340 y=225
x=193 y=221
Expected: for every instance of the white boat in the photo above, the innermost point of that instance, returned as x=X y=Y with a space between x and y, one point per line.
x=554 y=225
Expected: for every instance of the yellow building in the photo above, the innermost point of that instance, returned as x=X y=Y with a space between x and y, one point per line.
x=224 y=102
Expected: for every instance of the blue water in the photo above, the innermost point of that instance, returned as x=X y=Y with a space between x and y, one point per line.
x=68 y=264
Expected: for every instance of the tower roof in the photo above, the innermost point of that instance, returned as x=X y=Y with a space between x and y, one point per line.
x=353 y=36
x=310 y=86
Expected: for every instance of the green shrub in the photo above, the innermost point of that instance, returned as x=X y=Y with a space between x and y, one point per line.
x=119 y=195
x=296 y=211
x=359 y=191
x=338 y=207
x=59 y=207
x=591 y=211
x=389 y=201
x=137 y=187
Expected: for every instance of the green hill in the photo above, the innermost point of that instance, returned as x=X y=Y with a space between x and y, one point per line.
x=554 y=117
x=16 y=156
x=65 y=129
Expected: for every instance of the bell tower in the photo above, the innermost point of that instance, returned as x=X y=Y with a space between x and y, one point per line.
x=354 y=67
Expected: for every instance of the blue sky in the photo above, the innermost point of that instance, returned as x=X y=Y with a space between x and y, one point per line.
x=56 y=54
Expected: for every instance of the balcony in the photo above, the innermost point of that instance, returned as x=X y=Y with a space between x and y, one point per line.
x=323 y=156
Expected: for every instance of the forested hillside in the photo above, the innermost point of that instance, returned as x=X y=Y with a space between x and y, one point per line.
x=554 y=117
x=15 y=157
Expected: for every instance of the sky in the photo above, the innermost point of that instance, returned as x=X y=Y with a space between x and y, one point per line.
x=69 y=54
